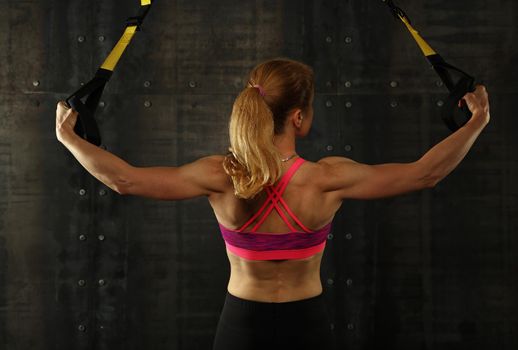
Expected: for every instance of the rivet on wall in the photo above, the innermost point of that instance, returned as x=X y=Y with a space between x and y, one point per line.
x=350 y=326
x=101 y=38
x=102 y=282
x=82 y=192
x=329 y=103
x=439 y=83
x=36 y=83
x=348 y=84
x=147 y=83
x=393 y=104
x=329 y=39
x=192 y=84
x=348 y=104
x=330 y=281
x=81 y=282
x=82 y=83
x=82 y=237
x=440 y=103
x=81 y=38
x=102 y=104
x=349 y=282
x=102 y=192
x=348 y=148
x=348 y=39
x=348 y=236
x=329 y=147
x=82 y=328
x=100 y=237
x=238 y=82
x=394 y=84
x=329 y=84
x=330 y=236
x=147 y=104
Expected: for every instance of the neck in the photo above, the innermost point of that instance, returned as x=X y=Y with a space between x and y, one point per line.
x=285 y=144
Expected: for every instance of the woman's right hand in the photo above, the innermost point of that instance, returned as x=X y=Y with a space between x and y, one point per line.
x=478 y=103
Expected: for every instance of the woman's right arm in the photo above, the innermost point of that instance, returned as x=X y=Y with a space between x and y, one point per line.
x=350 y=179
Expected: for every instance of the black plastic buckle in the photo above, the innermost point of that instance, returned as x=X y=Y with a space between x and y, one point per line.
x=135 y=21
x=397 y=12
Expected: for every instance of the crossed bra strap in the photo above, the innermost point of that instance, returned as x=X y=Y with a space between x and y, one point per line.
x=274 y=196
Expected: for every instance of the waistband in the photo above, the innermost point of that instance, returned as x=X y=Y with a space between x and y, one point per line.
x=315 y=302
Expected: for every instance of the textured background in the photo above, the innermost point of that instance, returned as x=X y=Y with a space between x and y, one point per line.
x=435 y=269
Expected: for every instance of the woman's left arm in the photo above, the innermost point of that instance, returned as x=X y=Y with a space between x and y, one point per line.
x=199 y=178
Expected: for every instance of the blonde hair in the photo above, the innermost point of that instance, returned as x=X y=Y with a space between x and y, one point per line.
x=254 y=161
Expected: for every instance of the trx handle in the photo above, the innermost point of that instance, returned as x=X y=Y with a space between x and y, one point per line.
x=466 y=83
x=457 y=89
x=91 y=92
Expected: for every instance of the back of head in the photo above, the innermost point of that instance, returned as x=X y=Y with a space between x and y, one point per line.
x=274 y=89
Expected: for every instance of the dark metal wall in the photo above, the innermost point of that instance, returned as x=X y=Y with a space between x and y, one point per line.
x=84 y=268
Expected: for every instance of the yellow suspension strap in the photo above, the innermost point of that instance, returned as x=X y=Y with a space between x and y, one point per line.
x=457 y=88
x=91 y=92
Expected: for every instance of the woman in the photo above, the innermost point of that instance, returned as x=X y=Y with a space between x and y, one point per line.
x=274 y=208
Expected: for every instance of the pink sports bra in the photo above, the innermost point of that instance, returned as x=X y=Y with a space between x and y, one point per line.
x=276 y=246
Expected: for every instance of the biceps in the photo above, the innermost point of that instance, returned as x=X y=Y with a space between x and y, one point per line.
x=363 y=181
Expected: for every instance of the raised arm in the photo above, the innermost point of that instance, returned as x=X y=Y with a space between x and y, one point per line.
x=350 y=179
x=199 y=178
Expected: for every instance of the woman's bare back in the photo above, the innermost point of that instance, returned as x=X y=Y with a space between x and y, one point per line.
x=278 y=280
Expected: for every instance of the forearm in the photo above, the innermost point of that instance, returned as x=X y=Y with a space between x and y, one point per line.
x=103 y=165
x=444 y=157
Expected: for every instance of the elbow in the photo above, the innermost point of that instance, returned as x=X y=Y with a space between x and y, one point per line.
x=432 y=181
x=127 y=181
x=121 y=186
x=116 y=188
x=119 y=190
x=428 y=178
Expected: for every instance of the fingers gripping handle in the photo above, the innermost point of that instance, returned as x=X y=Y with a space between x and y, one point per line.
x=86 y=126
x=452 y=113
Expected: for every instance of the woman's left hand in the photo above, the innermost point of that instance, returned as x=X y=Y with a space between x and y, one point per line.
x=66 y=119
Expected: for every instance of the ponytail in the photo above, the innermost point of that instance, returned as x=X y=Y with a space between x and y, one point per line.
x=254 y=161
x=258 y=114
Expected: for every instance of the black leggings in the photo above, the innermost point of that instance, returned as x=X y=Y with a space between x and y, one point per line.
x=250 y=325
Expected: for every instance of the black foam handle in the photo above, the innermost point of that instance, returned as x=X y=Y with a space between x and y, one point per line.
x=453 y=112
x=86 y=127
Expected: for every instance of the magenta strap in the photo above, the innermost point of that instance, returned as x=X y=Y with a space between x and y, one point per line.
x=274 y=195
x=260 y=210
x=271 y=196
x=293 y=216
